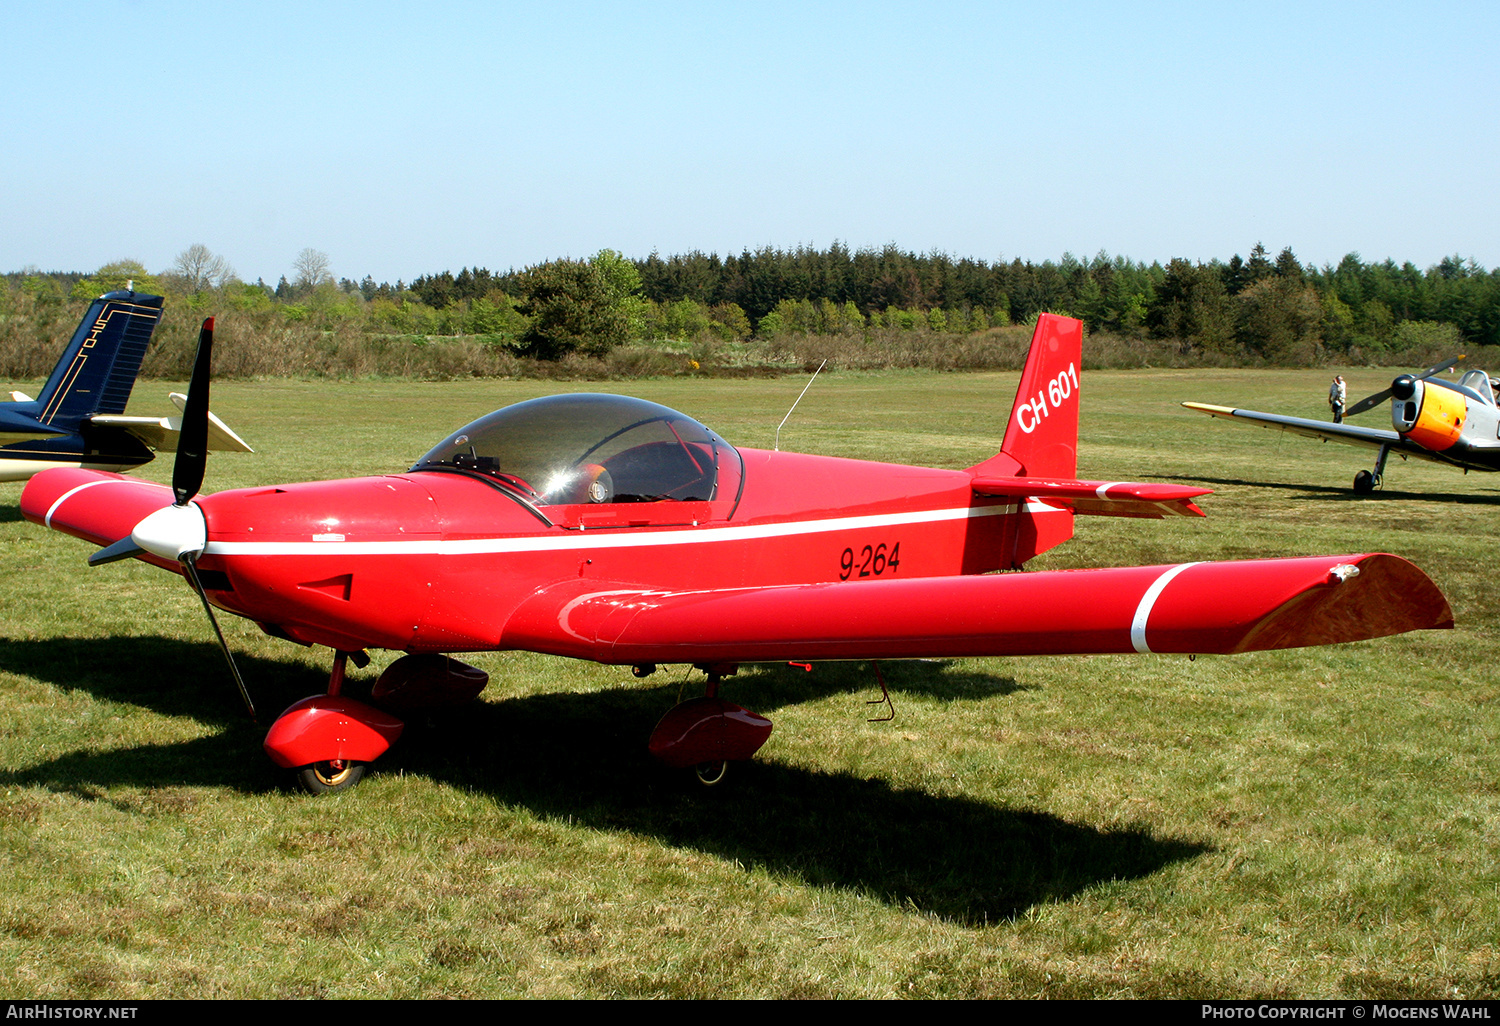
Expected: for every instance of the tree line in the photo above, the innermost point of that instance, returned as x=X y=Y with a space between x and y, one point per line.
x=1256 y=309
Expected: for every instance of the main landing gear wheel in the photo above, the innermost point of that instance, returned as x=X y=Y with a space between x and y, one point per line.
x=711 y=773
x=334 y=775
x=1366 y=482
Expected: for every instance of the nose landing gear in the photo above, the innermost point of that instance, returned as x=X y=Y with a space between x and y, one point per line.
x=328 y=740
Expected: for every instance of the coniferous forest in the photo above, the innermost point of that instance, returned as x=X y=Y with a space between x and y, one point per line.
x=773 y=309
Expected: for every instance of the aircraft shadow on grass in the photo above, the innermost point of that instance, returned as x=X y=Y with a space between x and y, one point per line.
x=583 y=757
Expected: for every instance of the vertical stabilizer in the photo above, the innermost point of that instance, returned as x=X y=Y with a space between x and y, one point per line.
x=1043 y=432
x=98 y=368
x=1041 y=438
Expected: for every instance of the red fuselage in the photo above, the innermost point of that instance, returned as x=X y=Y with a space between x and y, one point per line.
x=434 y=561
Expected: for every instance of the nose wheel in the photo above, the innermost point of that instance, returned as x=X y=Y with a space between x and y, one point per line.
x=711 y=773
x=332 y=775
x=328 y=740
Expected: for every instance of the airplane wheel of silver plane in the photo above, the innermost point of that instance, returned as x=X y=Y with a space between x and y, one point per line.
x=335 y=775
x=1365 y=482
x=711 y=773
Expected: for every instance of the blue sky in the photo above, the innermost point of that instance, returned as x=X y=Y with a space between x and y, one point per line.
x=404 y=139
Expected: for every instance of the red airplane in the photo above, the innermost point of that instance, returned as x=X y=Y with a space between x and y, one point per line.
x=613 y=529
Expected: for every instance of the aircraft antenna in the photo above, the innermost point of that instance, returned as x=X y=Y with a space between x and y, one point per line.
x=799 y=399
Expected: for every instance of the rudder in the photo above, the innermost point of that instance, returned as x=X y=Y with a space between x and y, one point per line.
x=98 y=368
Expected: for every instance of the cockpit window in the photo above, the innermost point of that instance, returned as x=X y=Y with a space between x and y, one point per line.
x=1479 y=382
x=590 y=448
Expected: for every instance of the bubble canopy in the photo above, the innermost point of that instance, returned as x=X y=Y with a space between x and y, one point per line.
x=593 y=448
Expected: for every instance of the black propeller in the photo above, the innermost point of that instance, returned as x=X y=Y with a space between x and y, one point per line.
x=192 y=440
x=178 y=531
x=1403 y=384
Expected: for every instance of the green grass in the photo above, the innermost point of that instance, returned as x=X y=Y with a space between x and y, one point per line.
x=1315 y=823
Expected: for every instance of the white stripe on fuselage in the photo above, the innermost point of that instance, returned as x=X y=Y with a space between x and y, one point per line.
x=612 y=539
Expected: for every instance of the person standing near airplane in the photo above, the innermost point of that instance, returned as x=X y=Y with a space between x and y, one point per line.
x=1337 y=393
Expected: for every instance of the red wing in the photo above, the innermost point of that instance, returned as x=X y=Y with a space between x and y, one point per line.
x=1189 y=608
x=94 y=505
x=1101 y=498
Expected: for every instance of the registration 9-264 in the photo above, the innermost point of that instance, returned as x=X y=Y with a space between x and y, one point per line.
x=871 y=561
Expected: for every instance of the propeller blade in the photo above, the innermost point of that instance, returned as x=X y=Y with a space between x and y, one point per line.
x=191 y=573
x=1439 y=368
x=192 y=442
x=122 y=549
x=1369 y=402
x=177 y=531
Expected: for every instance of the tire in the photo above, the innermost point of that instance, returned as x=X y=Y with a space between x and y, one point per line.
x=327 y=777
x=711 y=773
x=1364 y=483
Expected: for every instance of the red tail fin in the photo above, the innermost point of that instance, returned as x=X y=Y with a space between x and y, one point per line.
x=1041 y=439
x=1043 y=432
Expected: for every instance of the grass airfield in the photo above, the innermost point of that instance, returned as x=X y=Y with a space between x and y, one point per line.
x=1310 y=823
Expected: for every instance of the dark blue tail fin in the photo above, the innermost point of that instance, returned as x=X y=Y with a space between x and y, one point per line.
x=98 y=369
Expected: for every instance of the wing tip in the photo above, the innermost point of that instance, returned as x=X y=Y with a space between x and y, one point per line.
x=1385 y=596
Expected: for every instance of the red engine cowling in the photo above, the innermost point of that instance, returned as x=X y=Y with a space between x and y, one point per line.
x=416 y=683
x=324 y=728
x=706 y=730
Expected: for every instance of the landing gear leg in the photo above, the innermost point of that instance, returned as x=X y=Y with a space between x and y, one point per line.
x=336 y=676
x=712 y=773
x=1366 y=481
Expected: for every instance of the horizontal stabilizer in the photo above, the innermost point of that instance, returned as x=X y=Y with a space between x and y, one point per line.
x=1188 y=608
x=10 y=433
x=1100 y=498
x=161 y=432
